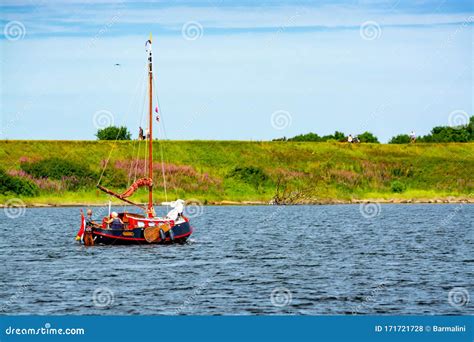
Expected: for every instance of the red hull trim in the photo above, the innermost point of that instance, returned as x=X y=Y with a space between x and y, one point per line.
x=136 y=239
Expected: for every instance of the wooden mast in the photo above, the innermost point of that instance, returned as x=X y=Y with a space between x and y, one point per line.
x=150 y=132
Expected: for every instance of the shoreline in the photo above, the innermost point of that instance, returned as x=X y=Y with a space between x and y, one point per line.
x=449 y=200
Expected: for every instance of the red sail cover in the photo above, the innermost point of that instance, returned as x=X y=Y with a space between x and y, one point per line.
x=138 y=183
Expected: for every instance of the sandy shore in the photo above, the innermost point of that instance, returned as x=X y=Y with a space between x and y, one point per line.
x=236 y=203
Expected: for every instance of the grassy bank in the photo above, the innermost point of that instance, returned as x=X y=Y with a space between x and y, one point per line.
x=291 y=172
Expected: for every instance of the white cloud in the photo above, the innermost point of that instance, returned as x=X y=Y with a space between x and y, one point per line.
x=88 y=17
x=227 y=87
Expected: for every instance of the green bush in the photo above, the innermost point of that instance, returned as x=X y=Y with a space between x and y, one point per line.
x=442 y=134
x=16 y=185
x=114 y=133
x=368 y=137
x=337 y=136
x=400 y=139
x=398 y=186
x=306 y=137
x=115 y=178
x=75 y=175
x=448 y=134
x=250 y=175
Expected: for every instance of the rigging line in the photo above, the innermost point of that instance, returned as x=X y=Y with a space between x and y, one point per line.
x=163 y=159
x=136 y=145
x=137 y=161
x=115 y=142
x=144 y=97
x=163 y=173
x=141 y=97
x=134 y=163
x=142 y=111
x=159 y=109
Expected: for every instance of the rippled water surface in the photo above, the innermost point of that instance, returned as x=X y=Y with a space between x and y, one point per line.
x=407 y=259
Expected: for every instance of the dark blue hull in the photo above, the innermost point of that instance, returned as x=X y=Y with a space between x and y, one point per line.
x=179 y=233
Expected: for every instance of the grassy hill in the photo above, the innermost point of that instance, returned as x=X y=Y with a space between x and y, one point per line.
x=215 y=171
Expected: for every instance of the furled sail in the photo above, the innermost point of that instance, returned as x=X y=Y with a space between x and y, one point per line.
x=137 y=184
x=129 y=192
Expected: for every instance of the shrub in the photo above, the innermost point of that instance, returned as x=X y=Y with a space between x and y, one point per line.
x=443 y=134
x=114 y=133
x=306 y=137
x=400 y=139
x=16 y=185
x=75 y=175
x=447 y=134
x=368 y=137
x=250 y=175
x=115 y=178
x=337 y=136
x=398 y=186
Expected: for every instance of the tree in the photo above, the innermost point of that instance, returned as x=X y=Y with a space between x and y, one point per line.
x=368 y=137
x=339 y=136
x=113 y=133
x=279 y=139
x=306 y=137
x=400 y=139
x=447 y=134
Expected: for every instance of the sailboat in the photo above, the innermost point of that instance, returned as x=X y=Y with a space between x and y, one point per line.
x=132 y=228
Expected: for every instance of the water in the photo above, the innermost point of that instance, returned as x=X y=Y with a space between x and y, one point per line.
x=304 y=260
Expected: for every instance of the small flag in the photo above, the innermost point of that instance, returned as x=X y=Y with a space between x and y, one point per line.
x=156 y=109
x=80 y=233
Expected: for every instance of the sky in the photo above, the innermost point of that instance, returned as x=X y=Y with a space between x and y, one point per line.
x=235 y=70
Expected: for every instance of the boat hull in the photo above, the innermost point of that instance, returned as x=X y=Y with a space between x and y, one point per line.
x=178 y=233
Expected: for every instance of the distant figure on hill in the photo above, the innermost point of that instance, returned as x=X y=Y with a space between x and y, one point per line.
x=140 y=134
x=349 y=138
x=356 y=140
x=412 y=137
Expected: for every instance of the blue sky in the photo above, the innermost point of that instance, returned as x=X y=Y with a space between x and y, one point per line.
x=235 y=69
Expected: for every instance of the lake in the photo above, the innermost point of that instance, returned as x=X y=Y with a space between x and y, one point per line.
x=248 y=260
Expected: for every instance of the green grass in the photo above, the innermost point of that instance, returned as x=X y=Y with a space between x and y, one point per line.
x=309 y=172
